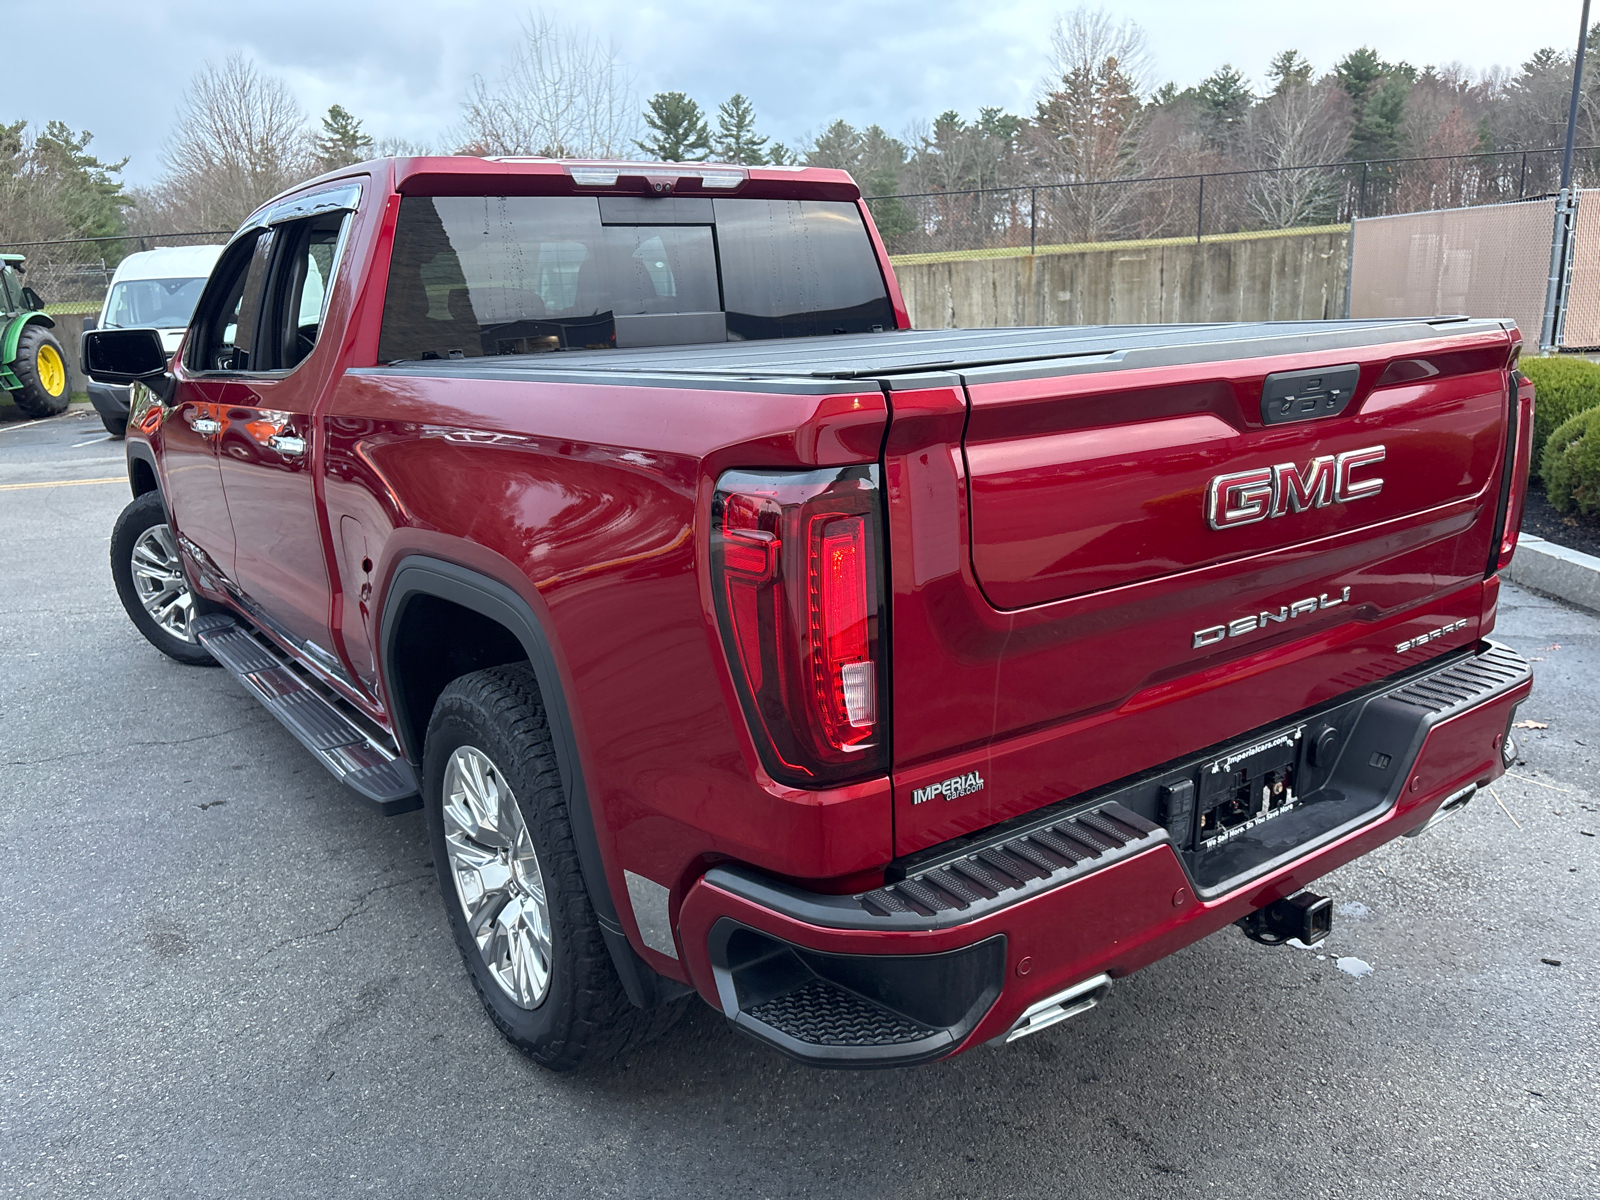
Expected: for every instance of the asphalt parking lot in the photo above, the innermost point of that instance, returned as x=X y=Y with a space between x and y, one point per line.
x=220 y=975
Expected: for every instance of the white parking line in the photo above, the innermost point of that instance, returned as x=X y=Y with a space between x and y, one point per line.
x=92 y=441
x=24 y=425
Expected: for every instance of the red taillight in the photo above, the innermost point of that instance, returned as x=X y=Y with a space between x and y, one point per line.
x=842 y=683
x=1520 y=452
x=795 y=569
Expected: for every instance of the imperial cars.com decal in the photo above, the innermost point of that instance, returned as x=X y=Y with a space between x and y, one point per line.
x=951 y=789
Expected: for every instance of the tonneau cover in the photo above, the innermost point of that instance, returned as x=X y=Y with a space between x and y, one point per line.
x=995 y=354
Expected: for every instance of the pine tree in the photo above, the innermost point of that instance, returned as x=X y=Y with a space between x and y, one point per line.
x=736 y=140
x=1377 y=92
x=341 y=141
x=1288 y=70
x=1225 y=101
x=838 y=146
x=678 y=128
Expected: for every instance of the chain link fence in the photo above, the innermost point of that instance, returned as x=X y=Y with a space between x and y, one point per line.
x=1491 y=260
x=71 y=275
x=1048 y=218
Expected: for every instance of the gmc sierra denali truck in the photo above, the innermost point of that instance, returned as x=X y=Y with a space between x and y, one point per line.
x=894 y=690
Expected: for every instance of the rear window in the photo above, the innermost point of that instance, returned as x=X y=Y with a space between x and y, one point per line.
x=485 y=275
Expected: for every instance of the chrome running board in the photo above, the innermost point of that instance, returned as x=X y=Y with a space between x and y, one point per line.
x=363 y=759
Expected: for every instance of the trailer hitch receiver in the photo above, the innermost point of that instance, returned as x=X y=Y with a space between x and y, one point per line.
x=1306 y=916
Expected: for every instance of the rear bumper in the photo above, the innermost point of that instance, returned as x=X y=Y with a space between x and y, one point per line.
x=971 y=945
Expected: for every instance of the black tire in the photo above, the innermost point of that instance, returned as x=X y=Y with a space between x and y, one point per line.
x=117 y=427
x=585 y=1017
x=144 y=515
x=34 y=398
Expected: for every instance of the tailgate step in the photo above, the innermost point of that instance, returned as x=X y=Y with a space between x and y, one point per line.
x=365 y=761
x=1040 y=858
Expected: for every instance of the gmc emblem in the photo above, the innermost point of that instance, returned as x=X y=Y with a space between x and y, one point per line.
x=1245 y=497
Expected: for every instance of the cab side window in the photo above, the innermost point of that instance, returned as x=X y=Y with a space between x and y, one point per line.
x=229 y=321
x=307 y=256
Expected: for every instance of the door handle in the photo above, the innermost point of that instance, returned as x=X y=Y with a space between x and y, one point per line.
x=205 y=426
x=287 y=444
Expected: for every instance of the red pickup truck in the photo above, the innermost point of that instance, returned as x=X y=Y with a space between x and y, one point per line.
x=893 y=690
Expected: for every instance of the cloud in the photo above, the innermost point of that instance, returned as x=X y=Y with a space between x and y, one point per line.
x=403 y=66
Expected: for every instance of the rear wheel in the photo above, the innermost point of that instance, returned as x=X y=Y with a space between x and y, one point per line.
x=508 y=870
x=117 y=427
x=151 y=584
x=41 y=365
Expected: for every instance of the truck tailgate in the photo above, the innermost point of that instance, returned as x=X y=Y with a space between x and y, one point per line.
x=1103 y=564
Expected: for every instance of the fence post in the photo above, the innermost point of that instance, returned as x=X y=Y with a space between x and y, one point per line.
x=1522 y=177
x=1200 y=212
x=1033 y=220
x=1560 y=263
x=1361 y=205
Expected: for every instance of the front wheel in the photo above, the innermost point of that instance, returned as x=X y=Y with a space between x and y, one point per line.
x=513 y=890
x=117 y=427
x=150 y=582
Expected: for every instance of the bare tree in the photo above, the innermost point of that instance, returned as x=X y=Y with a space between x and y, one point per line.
x=1088 y=119
x=566 y=94
x=240 y=140
x=1293 y=130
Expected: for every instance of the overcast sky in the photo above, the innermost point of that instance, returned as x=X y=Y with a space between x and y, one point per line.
x=402 y=66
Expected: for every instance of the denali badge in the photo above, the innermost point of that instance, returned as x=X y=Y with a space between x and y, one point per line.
x=1428 y=637
x=1245 y=497
x=951 y=789
x=1286 y=612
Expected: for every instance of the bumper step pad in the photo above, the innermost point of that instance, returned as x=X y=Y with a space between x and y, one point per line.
x=1033 y=861
x=821 y=1013
x=365 y=761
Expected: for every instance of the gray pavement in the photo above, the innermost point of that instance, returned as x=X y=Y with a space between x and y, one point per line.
x=221 y=976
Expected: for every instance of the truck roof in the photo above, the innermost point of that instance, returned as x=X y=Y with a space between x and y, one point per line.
x=819 y=363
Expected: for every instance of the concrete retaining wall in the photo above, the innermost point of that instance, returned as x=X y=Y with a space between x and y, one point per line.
x=1267 y=277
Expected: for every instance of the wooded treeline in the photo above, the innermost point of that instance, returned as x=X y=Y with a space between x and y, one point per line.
x=1099 y=119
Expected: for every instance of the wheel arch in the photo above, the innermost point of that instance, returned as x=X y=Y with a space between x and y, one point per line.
x=142 y=474
x=421 y=578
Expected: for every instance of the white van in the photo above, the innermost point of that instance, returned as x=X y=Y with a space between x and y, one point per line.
x=154 y=289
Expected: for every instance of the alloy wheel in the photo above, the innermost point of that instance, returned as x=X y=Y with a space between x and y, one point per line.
x=497 y=876
x=158 y=578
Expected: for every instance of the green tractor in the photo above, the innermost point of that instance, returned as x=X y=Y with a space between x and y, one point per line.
x=34 y=374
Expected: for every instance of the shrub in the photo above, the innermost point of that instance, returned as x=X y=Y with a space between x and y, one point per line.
x=1563 y=387
x=1571 y=466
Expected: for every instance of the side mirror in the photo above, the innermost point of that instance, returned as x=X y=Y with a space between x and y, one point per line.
x=123 y=356
x=32 y=300
x=91 y=323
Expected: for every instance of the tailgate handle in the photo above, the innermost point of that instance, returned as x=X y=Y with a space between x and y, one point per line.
x=1307 y=395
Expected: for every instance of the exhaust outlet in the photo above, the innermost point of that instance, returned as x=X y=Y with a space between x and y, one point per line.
x=1076 y=1000
x=1452 y=804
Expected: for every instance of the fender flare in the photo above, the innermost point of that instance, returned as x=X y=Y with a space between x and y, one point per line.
x=422 y=575
x=13 y=333
x=141 y=453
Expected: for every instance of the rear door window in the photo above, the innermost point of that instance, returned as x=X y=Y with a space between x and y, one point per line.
x=476 y=275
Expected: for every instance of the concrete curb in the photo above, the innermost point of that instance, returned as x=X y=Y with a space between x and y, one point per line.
x=1569 y=575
